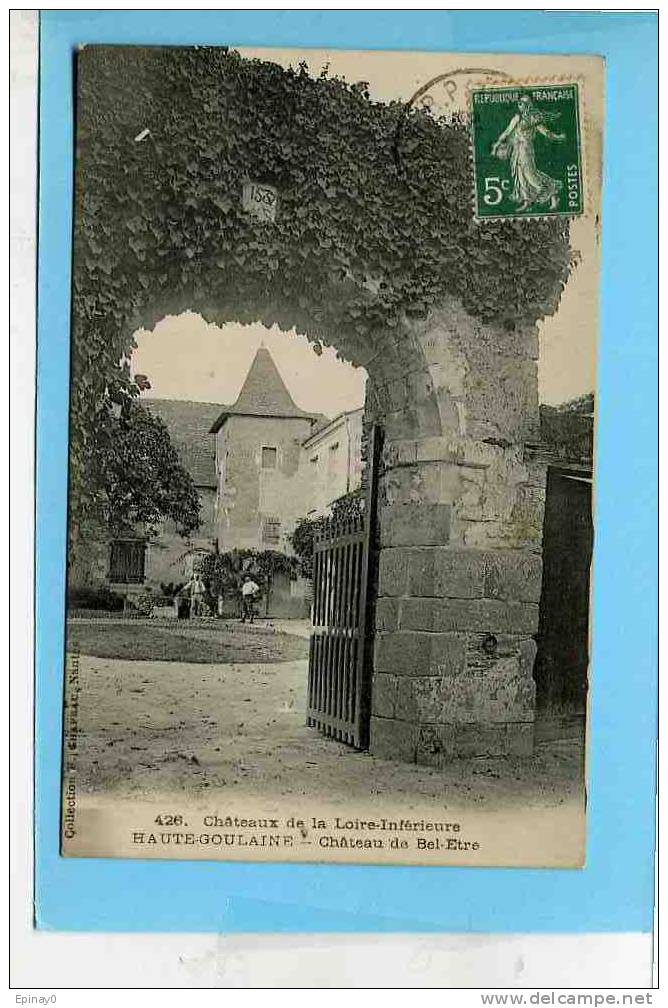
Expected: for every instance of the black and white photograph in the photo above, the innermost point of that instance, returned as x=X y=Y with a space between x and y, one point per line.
x=331 y=455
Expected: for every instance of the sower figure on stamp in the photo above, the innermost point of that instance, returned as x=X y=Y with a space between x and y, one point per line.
x=517 y=143
x=249 y=592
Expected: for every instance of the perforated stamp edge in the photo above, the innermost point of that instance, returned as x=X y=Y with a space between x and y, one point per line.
x=492 y=83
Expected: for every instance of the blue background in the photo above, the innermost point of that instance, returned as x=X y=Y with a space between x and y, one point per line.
x=614 y=891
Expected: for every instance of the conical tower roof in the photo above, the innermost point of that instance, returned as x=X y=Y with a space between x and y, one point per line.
x=263 y=394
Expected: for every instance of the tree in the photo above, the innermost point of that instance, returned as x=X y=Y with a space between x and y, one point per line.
x=348 y=507
x=136 y=475
x=302 y=540
x=223 y=573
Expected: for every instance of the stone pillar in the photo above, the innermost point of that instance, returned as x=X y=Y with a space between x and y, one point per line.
x=460 y=566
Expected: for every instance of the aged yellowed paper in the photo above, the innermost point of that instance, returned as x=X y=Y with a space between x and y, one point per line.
x=331 y=460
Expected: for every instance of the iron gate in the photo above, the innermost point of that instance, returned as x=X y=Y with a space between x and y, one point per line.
x=344 y=587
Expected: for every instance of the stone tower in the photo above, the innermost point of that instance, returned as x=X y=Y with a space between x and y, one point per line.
x=258 y=442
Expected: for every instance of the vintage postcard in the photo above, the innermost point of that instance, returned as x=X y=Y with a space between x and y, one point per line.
x=334 y=324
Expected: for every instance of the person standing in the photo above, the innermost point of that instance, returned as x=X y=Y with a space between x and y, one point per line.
x=249 y=592
x=197 y=593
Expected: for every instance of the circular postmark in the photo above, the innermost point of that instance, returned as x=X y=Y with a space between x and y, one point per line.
x=445 y=97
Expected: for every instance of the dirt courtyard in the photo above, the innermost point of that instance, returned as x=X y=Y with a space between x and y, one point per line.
x=198 y=728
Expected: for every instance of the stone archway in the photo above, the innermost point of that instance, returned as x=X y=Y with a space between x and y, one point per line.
x=440 y=312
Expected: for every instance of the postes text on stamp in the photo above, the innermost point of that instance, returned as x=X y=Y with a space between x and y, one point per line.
x=527 y=154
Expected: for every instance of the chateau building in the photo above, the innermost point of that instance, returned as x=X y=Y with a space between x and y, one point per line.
x=261 y=487
x=259 y=466
x=332 y=460
x=262 y=463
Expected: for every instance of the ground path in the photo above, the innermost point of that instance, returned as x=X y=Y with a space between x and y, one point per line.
x=151 y=727
x=204 y=628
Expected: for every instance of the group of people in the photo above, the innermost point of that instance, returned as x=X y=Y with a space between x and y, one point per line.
x=194 y=596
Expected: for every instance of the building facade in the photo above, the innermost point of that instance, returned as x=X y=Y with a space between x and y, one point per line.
x=331 y=458
x=170 y=557
x=261 y=484
x=252 y=463
x=145 y=560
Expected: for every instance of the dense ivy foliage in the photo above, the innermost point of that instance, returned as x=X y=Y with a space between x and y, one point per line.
x=348 y=507
x=101 y=598
x=166 y=139
x=137 y=476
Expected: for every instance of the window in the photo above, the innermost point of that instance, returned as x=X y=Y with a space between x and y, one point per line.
x=332 y=458
x=271 y=531
x=269 y=458
x=126 y=562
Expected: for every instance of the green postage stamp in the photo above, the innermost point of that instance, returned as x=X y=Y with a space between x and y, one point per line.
x=527 y=154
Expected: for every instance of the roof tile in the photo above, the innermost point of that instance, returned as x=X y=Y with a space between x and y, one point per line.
x=263 y=394
x=189 y=426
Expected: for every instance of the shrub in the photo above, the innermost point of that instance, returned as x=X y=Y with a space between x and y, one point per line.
x=95 y=598
x=347 y=507
x=143 y=604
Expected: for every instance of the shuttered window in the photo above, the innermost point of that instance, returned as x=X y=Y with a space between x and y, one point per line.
x=271 y=531
x=127 y=560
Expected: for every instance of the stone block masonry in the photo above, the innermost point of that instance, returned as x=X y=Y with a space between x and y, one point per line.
x=454 y=652
x=460 y=565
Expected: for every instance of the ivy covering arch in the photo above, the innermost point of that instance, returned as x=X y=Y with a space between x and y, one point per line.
x=166 y=138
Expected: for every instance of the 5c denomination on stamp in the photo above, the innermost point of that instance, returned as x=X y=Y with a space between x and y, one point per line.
x=527 y=151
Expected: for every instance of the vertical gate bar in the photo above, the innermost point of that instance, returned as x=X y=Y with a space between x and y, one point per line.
x=337 y=637
x=321 y=672
x=331 y=704
x=323 y=600
x=319 y=681
x=335 y=632
x=359 y=546
x=323 y=634
x=343 y=631
x=350 y=575
x=346 y=634
x=340 y=671
x=365 y=655
x=317 y=564
x=313 y=671
x=313 y=676
x=325 y=568
x=316 y=670
x=356 y=631
x=330 y=610
x=315 y=587
x=318 y=571
x=328 y=584
x=327 y=639
x=337 y=621
x=323 y=629
x=309 y=681
x=349 y=630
